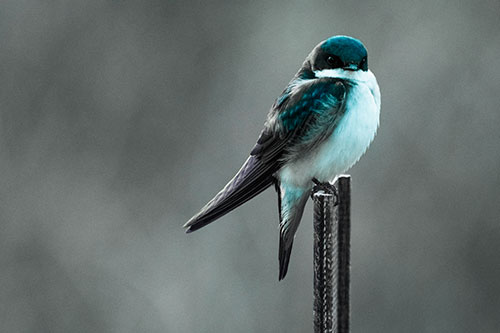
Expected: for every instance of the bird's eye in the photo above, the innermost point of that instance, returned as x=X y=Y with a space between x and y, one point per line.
x=362 y=64
x=334 y=61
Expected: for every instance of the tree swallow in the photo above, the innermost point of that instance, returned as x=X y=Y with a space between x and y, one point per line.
x=318 y=127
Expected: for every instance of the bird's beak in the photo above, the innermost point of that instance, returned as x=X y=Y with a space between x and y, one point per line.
x=351 y=67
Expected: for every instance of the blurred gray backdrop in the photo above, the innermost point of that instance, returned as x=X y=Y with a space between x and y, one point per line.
x=120 y=119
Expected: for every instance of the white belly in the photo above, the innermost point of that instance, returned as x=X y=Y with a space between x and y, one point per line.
x=348 y=142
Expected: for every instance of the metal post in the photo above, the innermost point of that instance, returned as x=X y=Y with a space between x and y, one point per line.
x=332 y=230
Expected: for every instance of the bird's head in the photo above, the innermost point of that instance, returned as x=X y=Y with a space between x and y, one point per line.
x=338 y=52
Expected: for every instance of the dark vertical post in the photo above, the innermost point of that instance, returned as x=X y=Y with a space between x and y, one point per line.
x=332 y=232
x=325 y=264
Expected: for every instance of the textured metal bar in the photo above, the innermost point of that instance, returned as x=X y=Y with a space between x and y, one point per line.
x=343 y=218
x=331 y=256
x=325 y=268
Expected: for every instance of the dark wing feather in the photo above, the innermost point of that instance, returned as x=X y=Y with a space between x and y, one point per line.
x=291 y=113
x=253 y=178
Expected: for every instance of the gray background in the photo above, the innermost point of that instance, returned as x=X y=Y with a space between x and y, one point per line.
x=120 y=119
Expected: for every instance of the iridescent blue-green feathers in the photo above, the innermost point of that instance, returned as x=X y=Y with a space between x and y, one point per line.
x=301 y=118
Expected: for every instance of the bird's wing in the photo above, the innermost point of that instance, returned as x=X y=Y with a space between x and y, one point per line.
x=293 y=115
x=311 y=114
x=252 y=178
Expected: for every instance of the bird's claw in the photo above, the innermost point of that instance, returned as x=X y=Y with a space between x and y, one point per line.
x=325 y=187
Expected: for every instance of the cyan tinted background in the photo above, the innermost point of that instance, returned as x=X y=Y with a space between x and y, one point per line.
x=120 y=119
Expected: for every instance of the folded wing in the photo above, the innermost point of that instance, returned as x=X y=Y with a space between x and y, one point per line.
x=293 y=115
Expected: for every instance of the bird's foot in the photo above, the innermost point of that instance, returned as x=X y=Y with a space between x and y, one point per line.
x=325 y=187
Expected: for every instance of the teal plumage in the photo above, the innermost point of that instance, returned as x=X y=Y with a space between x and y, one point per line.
x=318 y=127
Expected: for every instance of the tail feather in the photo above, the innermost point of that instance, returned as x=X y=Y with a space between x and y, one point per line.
x=292 y=202
x=284 y=258
x=253 y=178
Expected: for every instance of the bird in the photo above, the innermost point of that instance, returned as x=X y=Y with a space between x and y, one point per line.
x=318 y=127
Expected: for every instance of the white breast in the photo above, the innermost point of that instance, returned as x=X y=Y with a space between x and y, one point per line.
x=351 y=137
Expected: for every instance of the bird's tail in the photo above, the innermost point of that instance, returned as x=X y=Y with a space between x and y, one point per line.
x=292 y=201
x=252 y=178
